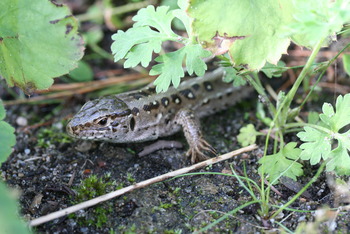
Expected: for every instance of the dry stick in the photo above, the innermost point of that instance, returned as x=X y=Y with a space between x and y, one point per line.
x=142 y=184
x=88 y=87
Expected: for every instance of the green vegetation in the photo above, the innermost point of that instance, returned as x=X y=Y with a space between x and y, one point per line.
x=9 y=219
x=25 y=29
x=303 y=22
x=89 y=188
x=7 y=136
x=49 y=136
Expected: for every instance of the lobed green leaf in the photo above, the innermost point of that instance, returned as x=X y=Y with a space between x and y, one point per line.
x=247 y=135
x=146 y=40
x=317 y=146
x=319 y=140
x=159 y=19
x=231 y=75
x=151 y=29
x=39 y=40
x=169 y=70
x=282 y=163
x=170 y=67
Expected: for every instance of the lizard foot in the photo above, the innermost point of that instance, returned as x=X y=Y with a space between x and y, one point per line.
x=196 y=151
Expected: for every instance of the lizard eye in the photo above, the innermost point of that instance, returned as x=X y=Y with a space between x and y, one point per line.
x=102 y=122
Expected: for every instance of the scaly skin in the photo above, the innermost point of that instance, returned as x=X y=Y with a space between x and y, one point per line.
x=145 y=115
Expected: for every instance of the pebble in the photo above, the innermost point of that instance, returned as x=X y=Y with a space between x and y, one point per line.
x=21 y=121
x=85 y=146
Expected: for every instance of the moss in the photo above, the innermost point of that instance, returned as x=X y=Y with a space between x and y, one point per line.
x=176 y=192
x=130 y=178
x=165 y=205
x=53 y=135
x=176 y=231
x=89 y=188
x=130 y=230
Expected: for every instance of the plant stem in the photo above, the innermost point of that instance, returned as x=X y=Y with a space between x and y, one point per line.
x=321 y=75
x=261 y=91
x=226 y=216
x=301 y=191
x=289 y=97
x=116 y=10
x=287 y=101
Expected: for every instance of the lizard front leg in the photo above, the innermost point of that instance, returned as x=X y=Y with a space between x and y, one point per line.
x=191 y=128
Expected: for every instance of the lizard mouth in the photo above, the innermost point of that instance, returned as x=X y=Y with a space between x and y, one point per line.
x=88 y=134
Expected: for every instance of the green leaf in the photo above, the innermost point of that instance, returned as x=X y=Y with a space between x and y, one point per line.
x=315 y=21
x=151 y=29
x=93 y=36
x=194 y=62
x=339 y=160
x=7 y=136
x=346 y=63
x=170 y=67
x=10 y=222
x=250 y=30
x=319 y=139
x=282 y=164
x=159 y=19
x=170 y=70
x=82 y=73
x=271 y=70
x=39 y=40
x=2 y=111
x=144 y=39
x=138 y=43
x=261 y=114
x=339 y=119
x=312 y=117
x=317 y=146
x=247 y=135
x=232 y=75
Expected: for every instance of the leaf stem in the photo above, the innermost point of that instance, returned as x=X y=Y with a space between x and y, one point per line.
x=289 y=97
x=255 y=82
x=115 y=11
x=321 y=75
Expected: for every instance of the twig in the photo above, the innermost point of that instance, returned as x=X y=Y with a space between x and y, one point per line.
x=142 y=184
x=80 y=88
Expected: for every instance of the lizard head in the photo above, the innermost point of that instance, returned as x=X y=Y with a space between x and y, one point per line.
x=107 y=118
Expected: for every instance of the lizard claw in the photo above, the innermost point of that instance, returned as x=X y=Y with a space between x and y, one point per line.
x=196 y=151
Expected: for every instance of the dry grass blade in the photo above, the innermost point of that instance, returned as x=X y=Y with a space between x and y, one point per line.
x=66 y=90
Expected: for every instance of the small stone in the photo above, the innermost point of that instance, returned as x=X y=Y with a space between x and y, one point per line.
x=85 y=146
x=27 y=151
x=302 y=218
x=21 y=121
x=58 y=125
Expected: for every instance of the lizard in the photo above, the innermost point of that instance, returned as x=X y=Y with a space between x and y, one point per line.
x=145 y=115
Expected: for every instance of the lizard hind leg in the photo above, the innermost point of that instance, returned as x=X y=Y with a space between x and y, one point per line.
x=191 y=128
